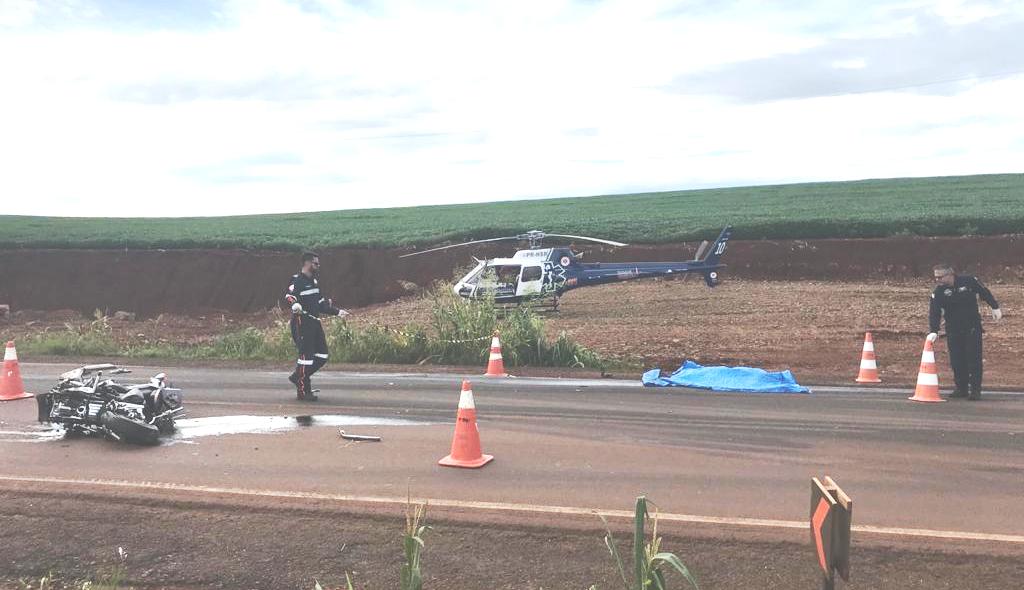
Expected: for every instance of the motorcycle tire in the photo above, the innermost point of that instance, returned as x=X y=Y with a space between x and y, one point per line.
x=44 y=403
x=131 y=431
x=165 y=426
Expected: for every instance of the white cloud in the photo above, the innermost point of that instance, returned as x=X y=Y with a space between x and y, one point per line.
x=850 y=64
x=964 y=12
x=17 y=13
x=273 y=106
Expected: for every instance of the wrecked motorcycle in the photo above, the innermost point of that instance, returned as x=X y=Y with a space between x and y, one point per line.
x=85 y=402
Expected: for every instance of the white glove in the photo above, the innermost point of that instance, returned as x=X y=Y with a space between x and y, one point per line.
x=997 y=314
x=296 y=307
x=932 y=337
x=342 y=313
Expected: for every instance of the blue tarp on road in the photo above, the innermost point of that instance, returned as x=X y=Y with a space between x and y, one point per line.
x=725 y=379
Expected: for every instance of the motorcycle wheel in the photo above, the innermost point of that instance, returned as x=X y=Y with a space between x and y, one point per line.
x=131 y=431
x=44 y=403
x=165 y=426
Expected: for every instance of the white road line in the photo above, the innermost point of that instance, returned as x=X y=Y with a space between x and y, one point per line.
x=508 y=507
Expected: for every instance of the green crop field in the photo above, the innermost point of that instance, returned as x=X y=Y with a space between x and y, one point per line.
x=988 y=204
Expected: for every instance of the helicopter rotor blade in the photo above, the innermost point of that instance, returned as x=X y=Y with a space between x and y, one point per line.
x=457 y=245
x=609 y=242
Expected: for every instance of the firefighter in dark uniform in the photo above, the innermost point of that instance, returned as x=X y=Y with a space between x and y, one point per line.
x=956 y=298
x=308 y=334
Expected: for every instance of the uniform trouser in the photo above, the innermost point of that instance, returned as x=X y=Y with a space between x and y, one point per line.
x=309 y=338
x=965 y=357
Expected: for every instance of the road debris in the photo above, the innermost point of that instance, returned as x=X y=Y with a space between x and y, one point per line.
x=359 y=437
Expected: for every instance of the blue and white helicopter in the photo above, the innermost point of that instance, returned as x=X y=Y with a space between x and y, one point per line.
x=542 y=275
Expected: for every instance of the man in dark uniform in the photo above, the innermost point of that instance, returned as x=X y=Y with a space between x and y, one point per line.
x=956 y=298
x=308 y=334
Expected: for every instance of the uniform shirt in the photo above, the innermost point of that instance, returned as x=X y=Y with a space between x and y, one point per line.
x=959 y=303
x=306 y=291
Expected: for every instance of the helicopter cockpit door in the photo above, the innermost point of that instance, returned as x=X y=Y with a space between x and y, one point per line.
x=531 y=280
x=501 y=280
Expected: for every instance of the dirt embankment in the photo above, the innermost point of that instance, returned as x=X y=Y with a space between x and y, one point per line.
x=150 y=282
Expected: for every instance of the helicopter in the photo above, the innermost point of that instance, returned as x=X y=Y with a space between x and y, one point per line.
x=542 y=274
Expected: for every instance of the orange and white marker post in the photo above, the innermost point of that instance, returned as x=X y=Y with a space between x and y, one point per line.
x=11 y=386
x=868 y=364
x=927 y=377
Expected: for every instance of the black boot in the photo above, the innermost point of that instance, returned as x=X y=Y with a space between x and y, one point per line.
x=975 y=395
x=294 y=378
x=958 y=394
x=310 y=392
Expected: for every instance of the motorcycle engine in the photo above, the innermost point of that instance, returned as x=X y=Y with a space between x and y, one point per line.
x=133 y=411
x=75 y=409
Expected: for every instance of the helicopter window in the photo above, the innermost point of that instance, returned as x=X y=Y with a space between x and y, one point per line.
x=532 y=273
x=507 y=274
x=500 y=275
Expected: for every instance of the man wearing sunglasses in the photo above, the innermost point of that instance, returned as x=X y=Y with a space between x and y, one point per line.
x=956 y=299
x=308 y=334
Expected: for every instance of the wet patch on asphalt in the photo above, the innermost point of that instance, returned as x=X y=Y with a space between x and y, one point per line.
x=192 y=428
x=33 y=433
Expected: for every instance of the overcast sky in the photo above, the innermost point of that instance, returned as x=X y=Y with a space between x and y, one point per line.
x=194 y=107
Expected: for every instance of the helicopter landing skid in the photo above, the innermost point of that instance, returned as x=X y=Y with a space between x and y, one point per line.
x=539 y=304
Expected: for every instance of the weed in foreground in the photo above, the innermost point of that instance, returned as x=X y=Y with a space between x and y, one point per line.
x=648 y=559
x=412 y=542
x=110 y=580
x=411 y=578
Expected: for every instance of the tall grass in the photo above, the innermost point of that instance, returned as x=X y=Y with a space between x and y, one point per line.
x=92 y=339
x=459 y=333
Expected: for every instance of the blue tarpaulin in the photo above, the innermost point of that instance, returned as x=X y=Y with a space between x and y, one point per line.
x=725 y=379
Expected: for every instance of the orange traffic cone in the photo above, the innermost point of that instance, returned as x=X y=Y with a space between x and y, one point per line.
x=11 y=387
x=495 y=365
x=868 y=367
x=466 y=443
x=927 y=378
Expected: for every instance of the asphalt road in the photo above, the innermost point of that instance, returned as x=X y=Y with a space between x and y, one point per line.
x=955 y=467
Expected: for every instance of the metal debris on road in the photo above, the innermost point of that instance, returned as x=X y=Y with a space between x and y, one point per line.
x=360 y=437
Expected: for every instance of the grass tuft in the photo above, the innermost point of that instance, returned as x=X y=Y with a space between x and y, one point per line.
x=459 y=333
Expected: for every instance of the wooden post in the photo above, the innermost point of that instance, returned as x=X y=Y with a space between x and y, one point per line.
x=831 y=515
x=843 y=522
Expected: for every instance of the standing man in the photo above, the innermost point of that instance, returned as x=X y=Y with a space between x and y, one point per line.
x=307 y=332
x=956 y=297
